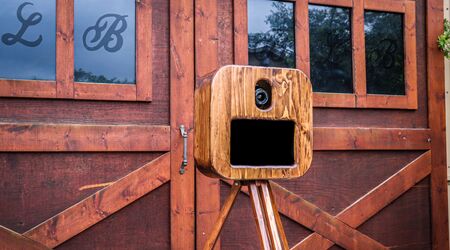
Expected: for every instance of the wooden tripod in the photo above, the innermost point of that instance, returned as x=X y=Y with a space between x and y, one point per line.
x=270 y=229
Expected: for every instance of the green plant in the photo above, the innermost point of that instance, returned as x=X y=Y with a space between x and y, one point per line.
x=444 y=39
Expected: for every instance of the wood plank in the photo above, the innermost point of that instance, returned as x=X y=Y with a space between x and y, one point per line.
x=64 y=48
x=436 y=118
x=223 y=215
x=302 y=57
x=375 y=200
x=336 y=138
x=144 y=47
x=207 y=61
x=27 y=137
x=258 y=215
x=385 y=5
x=10 y=240
x=105 y=91
x=240 y=32
x=27 y=88
x=321 y=222
x=182 y=79
x=315 y=219
x=359 y=50
x=102 y=204
x=341 y=3
x=322 y=99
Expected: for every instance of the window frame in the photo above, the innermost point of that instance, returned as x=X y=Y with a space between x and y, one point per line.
x=64 y=87
x=360 y=98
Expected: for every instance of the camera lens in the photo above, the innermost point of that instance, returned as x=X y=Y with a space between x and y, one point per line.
x=263 y=94
x=262 y=97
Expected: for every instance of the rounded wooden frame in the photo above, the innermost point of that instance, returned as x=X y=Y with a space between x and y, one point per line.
x=230 y=95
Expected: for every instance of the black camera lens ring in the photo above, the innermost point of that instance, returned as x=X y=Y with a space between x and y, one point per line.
x=261 y=96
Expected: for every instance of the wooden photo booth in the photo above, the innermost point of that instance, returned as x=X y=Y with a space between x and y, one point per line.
x=254 y=123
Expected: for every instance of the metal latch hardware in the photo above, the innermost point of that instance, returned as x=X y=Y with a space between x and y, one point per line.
x=184 y=134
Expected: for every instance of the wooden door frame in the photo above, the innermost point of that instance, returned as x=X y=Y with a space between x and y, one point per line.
x=123 y=138
x=432 y=163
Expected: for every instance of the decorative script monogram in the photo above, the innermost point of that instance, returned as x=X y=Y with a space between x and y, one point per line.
x=384 y=53
x=107 y=33
x=33 y=19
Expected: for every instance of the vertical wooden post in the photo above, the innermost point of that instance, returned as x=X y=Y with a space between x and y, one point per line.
x=64 y=48
x=436 y=118
x=181 y=112
x=207 y=61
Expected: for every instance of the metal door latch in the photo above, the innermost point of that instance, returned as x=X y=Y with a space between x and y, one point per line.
x=184 y=134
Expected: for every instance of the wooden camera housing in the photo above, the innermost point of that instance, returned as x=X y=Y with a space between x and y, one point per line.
x=254 y=123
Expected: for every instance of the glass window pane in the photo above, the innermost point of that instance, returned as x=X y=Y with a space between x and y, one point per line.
x=271 y=36
x=105 y=41
x=384 y=53
x=330 y=49
x=28 y=39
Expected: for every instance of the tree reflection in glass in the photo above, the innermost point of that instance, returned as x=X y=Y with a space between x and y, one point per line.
x=271 y=37
x=104 y=40
x=384 y=53
x=330 y=49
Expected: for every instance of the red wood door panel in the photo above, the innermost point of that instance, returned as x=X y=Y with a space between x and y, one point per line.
x=364 y=174
x=98 y=173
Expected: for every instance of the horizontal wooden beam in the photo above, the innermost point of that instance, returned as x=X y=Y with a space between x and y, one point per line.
x=20 y=137
x=14 y=241
x=378 y=198
x=102 y=204
x=27 y=137
x=336 y=138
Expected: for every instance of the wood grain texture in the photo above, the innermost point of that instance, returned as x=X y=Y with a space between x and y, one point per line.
x=27 y=88
x=64 y=48
x=83 y=138
x=312 y=217
x=302 y=57
x=144 y=47
x=375 y=200
x=182 y=83
x=101 y=204
x=359 y=50
x=52 y=182
x=347 y=138
x=341 y=3
x=10 y=240
x=321 y=222
x=105 y=91
x=207 y=62
x=144 y=224
x=240 y=28
x=386 y=5
x=224 y=212
x=334 y=100
x=226 y=98
x=436 y=118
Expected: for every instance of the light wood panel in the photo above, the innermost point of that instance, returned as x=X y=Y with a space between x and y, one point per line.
x=231 y=95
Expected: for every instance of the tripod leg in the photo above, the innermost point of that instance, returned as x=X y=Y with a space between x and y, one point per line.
x=224 y=212
x=259 y=215
x=277 y=234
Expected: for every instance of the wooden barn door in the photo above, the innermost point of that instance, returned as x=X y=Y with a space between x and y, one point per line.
x=89 y=157
x=378 y=177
